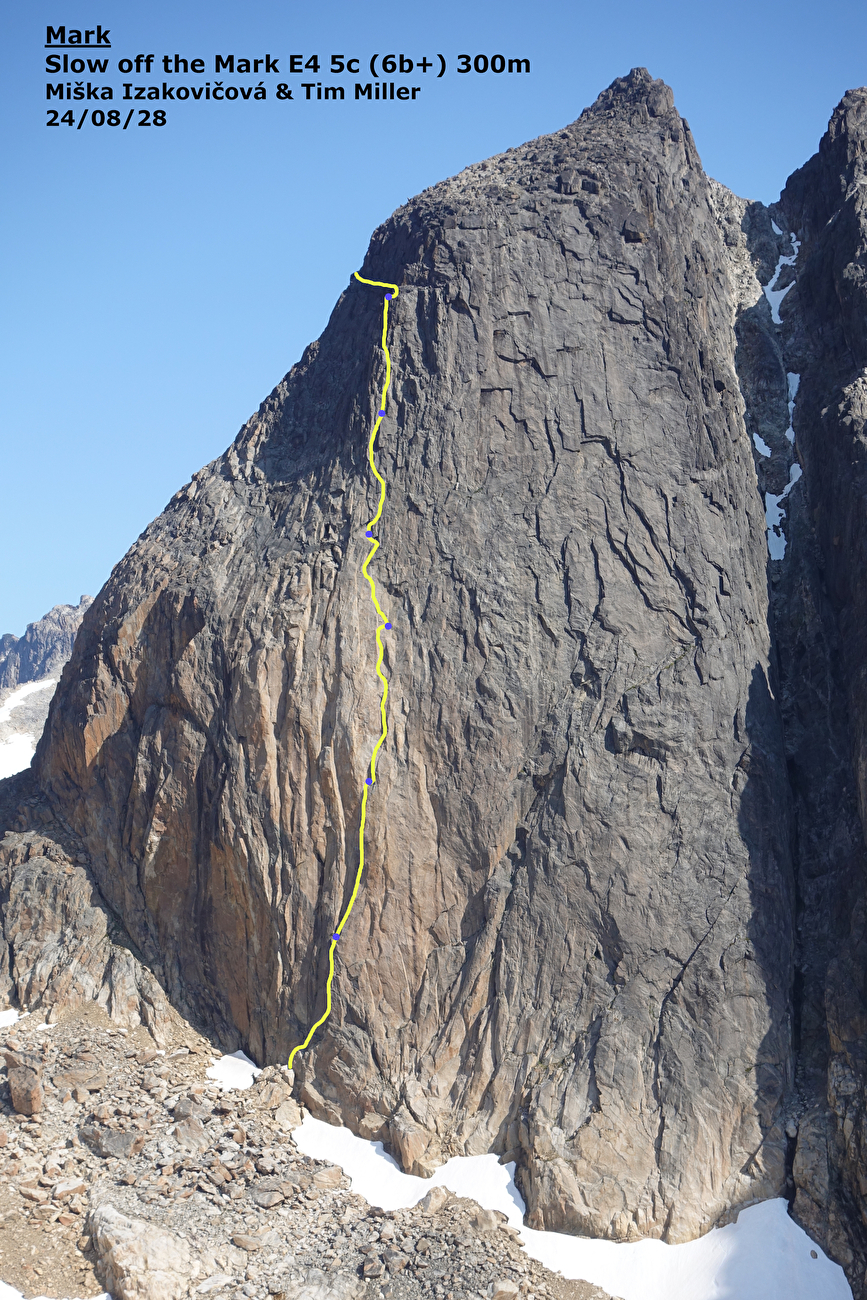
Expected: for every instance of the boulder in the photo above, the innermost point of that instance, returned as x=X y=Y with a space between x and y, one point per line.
x=136 y=1260
x=108 y=1142
x=434 y=1200
x=288 y=1115
x=190 y=1134
x=504 y=1289
x=322 y=1286
x=26 y=1091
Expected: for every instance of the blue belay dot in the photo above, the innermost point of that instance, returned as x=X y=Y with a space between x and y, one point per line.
x=368 y=533
x=382 y=413
x=388 y=627
x=388 y=297
x=367 y=781
x=335 y=936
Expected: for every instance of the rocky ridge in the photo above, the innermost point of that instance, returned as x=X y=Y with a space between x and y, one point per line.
x=62 y=948
x=36 y=657
x=43 y=649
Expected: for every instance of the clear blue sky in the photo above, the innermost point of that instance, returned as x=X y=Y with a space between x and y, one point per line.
x=158 y=282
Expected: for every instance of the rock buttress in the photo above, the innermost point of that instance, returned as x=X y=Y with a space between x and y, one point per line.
x=574 y=941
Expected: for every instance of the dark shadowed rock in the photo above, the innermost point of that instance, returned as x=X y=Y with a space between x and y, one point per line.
x=823 y=634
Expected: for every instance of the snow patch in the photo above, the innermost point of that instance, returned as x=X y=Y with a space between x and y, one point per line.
x=8 y=1292
x=764 y=1256
x=794 y=382
x=380 y=1180
x=775 y=296
x=774 y=514
x=8 y=1017
x=761 y=446
x=20 y=694
x=16 y=753
x=234 y=1071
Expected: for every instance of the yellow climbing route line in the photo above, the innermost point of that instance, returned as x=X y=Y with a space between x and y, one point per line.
x=380 y=652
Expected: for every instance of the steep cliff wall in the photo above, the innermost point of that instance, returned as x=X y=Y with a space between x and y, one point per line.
x=821 y=615
x=801 y=363
x=575 y=938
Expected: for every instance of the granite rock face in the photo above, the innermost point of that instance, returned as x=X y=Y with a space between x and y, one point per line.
x=575 y=939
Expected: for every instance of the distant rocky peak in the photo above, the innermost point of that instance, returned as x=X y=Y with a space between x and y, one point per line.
x=637 y=90
x=44 y=648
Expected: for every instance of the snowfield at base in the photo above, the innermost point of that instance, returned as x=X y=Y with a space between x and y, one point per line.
x=380 y=1180
x=9 y=1293
x=16 y=753
x=764 y=1256
x=19 y=695
x=235 y=1071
